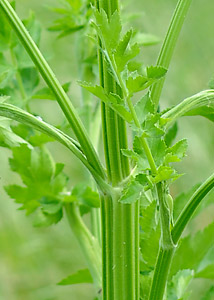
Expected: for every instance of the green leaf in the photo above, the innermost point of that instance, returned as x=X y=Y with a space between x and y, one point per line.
x=113 y=100
x=106 y=26
x=84 y=195
x=144 y=107
x=179 y=149
x=30 y=79
x=178 y=285
x=182 y=199
x=124 y=52
x=156 y=73
x=136 y=83
x=164 y=173
x=82 y=276
x=132 y=192
x=171 y=134
x=7 y=137
x=149 y=237
x=192 y=249
x=44 y=184
x=207 y=272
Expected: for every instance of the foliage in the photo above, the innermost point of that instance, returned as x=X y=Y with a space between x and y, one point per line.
x=138 y=175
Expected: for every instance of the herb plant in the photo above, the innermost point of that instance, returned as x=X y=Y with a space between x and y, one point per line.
x=134 y=248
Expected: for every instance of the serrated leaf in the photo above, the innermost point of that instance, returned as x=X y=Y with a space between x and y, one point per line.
x=113 y=100
x=131 y=193
x=137 y=83
x=44 y=183
x=163 y=173
x=81 y=276
x=105 y=26
x=124 y=52
x=179 y=149
x=178 y=285
x=84 y=195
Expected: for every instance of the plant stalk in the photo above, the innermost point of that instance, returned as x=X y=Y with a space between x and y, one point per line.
x=165 y=255
x=120 y=232
x=169 y=44
x=88 y=243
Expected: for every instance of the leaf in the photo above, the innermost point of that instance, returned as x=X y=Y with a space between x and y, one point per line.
x=182 y=199
x=179 y=149
x=30 y=79
x=156 y=73
x=131 y=193
x=7 y=137
x=171 y=134
x=178 y=285
x=137 y=83
x=149 y=237
x=192 y=249
x=207 y=272
x=81 y=276
x=144 y=107
x=164 y=173
x=124 y=52
x=113 y=100
x=44 y=183
x=106 y=26
x=84 y=195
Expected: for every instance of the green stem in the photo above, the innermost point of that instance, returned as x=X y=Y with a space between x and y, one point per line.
x=165 y=255
x=169 y=44
x=88 y=243
x=161 y=273
x=190 y=208
x=127 y=97
x=54 y=85
x=19 y=115
x=120 y=232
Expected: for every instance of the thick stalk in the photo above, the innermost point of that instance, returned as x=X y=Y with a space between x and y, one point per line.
x=88 y=243
x=119 y=221
x=53 y=83
x=165 y=255
x=169 y=44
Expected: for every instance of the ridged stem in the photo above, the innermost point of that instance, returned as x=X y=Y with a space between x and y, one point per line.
x=120 y=242
x=169 y=44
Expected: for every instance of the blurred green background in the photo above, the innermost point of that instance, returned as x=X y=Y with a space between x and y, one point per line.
x=33 y=260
